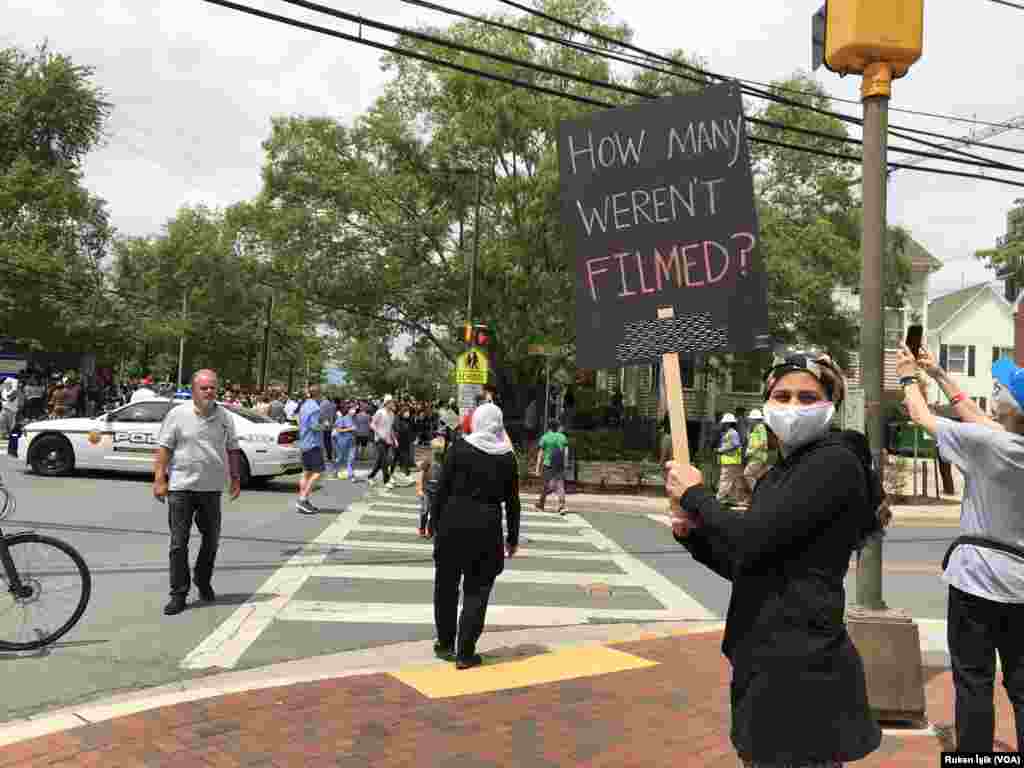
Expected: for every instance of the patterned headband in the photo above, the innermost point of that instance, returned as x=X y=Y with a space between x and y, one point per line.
x=819 y=365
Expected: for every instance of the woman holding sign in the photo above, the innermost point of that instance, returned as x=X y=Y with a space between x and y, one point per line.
x=798 y=692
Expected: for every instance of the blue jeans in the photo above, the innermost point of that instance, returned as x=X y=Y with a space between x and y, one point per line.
x=344 y=452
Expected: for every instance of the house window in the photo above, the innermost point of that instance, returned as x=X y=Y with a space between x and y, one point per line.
x=1000 y=352
x=957 y=358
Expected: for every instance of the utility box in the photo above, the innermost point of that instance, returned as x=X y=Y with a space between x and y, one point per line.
x=863 y=32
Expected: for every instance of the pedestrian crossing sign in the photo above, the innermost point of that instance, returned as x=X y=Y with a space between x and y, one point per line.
x=472 y=367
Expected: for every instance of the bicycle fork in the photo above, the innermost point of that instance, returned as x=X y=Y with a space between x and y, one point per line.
x=14 y=583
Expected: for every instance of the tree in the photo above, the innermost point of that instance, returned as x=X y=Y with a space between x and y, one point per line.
x=54 y=234
x=811 y=222
x=1007 y=258
x=198 y=261
x=383 y=213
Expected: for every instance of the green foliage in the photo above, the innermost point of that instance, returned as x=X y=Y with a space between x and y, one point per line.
x=227 y=291
x=1009 y=254
x=53 y=232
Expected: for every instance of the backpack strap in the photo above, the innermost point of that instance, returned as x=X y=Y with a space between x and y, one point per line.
x=985 y=542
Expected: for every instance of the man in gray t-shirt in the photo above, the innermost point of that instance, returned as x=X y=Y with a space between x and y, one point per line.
x=198 y=451
x=986 y=576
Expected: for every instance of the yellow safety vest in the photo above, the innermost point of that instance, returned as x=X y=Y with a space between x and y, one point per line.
x=757 y=445
x=731 y=457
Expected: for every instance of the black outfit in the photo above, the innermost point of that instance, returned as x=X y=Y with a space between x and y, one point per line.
x=977 y=629
x=182 y=508
x=798 y=692
x=382 y=462
x=403 y=453
x=465 y=516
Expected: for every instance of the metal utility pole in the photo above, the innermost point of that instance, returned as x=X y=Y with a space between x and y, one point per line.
x=875 y=91
x=476 y=251
x=181 y=344
x=266 y=343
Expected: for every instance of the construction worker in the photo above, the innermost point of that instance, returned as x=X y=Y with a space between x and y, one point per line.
x=730 y=455
x=757 y=452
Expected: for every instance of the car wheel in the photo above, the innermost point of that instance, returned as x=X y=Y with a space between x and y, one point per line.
x=244 y=473
x=52 y=456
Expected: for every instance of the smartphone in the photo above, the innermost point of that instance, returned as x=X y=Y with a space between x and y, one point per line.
x=915 y=335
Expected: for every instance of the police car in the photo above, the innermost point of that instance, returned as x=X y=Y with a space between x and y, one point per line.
x=124 y=440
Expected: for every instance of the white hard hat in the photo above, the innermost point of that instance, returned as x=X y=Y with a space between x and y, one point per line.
x=756 y=414
x=728 y=419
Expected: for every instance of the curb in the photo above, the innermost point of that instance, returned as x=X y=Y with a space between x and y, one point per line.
x=389 y=658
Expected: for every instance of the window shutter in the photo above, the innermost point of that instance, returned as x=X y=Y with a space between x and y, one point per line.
x=970 y=360
x=943 y=356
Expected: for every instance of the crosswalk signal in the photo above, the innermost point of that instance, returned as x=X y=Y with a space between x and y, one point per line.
x=481 y=336
x=857 y=33
x=467 y=333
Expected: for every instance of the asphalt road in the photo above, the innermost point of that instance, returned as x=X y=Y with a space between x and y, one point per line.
x=292 y=586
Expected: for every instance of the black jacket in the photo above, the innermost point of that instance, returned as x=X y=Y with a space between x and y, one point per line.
x=466 y=510
x=798 y=690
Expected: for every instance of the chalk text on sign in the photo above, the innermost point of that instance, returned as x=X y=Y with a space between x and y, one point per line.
x=679 y=265
x=660 y=205
x=610 y=151
x=705 y=136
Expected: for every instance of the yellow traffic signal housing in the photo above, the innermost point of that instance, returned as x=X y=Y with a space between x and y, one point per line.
x=863 y=32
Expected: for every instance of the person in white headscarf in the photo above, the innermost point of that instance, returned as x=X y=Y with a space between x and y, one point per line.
x=480 y=475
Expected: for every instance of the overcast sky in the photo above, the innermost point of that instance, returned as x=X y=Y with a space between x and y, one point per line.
x=195 y=86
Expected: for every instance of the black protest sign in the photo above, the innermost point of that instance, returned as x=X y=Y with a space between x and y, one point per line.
x=658 y=201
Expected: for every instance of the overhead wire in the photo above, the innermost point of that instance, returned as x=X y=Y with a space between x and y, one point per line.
x=407 y=52
x=615 y=87
x=707 y=73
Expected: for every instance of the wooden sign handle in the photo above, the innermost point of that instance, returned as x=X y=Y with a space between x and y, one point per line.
x=676 y=409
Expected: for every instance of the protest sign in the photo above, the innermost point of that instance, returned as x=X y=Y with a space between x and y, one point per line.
x=658 y=203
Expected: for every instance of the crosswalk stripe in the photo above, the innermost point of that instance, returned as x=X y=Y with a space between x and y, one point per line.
x=232 y=638
x=509 y=576
x=497 y=615
x=577 y=539
x=524 y=551
x=403 y=519
x=413 y=511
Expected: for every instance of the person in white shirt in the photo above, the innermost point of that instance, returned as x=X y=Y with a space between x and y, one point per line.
x=10 y=403
x=384 y=440
x=290 y=408
x=984 y=567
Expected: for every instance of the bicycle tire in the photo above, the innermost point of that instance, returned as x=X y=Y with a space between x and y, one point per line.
x=77 y=560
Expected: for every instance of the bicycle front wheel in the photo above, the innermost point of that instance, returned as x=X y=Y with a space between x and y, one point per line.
x=55 y=586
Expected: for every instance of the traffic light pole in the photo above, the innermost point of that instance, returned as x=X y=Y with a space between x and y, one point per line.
x=476 y=252
x=888 y=640
x=875 y=91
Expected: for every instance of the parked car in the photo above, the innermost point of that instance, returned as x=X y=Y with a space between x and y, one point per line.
x=124 y=440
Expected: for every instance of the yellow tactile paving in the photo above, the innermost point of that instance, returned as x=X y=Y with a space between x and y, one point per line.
x=444 y=681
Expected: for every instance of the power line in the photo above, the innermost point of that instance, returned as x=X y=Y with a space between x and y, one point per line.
x=1011 y=5
x=308 y=5
x=707 y=73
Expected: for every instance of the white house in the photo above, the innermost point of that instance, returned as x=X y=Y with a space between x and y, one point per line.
x=968 y=330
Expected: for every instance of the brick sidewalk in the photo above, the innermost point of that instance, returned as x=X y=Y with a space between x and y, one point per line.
x=672 y=714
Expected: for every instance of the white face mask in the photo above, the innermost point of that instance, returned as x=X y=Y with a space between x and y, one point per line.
x=798 y=426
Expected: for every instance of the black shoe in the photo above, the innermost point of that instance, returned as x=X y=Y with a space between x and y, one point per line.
x=469 y=661
x=207 y=595
x=305 y=508
x=444 y=652
x=176 y=606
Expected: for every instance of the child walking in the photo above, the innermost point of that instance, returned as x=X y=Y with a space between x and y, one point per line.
x=426 y=484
